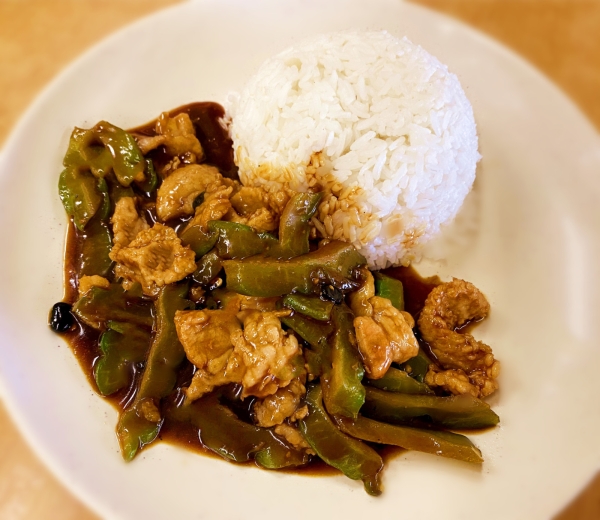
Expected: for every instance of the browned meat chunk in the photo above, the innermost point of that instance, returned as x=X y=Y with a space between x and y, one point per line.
x=149 y=410
x=176 y=195
x=454 y=381
x=294 y=437
x=261 y=357
x=383 y=333
x=267 y=352
x=256 y=303
x=206 y=334
x=220 y=371
x=277 y=200
x=258 y=208
x=261 y=220
x=360 y=300
x=87 y=282
x=214 y=207
x=149 y=143
x=155 y=257
x=450 y=306
x=206 y=339
x=126 y=223
x=249 y=199
x=276 y=408
x=178 y=136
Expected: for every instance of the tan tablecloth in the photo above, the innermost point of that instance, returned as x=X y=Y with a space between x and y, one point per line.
x=39 y=37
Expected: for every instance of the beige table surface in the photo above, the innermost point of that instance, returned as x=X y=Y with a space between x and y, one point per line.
x=39 y=37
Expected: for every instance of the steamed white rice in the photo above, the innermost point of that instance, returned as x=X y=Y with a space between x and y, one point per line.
x=377 y=123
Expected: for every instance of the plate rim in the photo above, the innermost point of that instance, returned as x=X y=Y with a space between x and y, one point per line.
x=18 y=416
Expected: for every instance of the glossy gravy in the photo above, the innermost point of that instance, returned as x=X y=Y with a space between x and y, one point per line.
x=84 y=340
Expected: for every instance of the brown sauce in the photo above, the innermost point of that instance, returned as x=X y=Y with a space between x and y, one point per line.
x=216 y=143
x=416 y=288
x=84 y=340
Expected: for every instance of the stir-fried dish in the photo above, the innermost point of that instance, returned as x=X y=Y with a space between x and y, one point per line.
x=200 y=304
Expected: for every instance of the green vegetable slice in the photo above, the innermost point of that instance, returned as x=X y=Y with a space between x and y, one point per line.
x=238 y=240
x=390 y=288
x=351 y=456
x=417 y=366
x=166 y=353
x=79 y=193
x=316 y=334
x=396 y=380
x=122 y=345
x=207 y=268
x=294 y=227
x=98 y=306
x=221 y=431
x=311 y=306
x=457 y=411
x=96 y=240
x=343 y=392
x=445 y=444
x=128 y=161
x=263 y=276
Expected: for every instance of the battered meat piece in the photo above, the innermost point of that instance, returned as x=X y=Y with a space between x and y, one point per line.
x=267 y=352
x=294 y=437
x=214 y=207
x=176 y=195
x=206 y=339
x=450 y=306
x=249 y=199
x=261 y=357
x=126 y=223
x=261 y=220
x=383 y=333
x=87 y=282
x=155 y=257
x=147 y=143
x=149 y=410
x=257 y=303
x=206 y=334
x=454 y=381
x=276 y=408
x=177 y=134
x=220 y=371
x=258 y=208
x=180 y=136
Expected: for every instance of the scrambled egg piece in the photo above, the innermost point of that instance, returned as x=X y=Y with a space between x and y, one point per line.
x=154 y=258
x=384 y=334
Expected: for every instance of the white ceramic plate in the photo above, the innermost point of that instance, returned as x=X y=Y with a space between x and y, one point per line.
x=535 y=253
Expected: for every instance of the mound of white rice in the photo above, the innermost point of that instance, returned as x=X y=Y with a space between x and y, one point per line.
x=377 y=123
